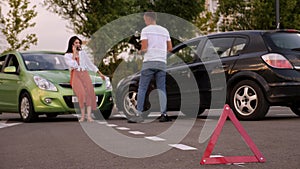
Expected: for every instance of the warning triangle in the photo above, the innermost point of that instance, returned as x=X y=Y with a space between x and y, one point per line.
x=207 y=159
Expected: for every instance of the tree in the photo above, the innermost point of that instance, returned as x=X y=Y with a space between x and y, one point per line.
x=88 y=16
x=257 y=14
x=19 y=19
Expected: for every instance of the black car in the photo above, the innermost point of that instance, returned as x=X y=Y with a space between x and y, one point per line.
x=250 y=70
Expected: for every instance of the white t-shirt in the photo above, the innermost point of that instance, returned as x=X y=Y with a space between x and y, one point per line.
x=157 y=37
x=84 y=62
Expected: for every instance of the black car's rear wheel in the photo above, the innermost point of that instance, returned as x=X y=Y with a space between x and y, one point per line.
x=248 y=101
x=26 y=108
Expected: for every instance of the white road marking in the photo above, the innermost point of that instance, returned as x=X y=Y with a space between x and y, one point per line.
x=182 y=147
x=154 y=138
x=212 y=156
x=102 y=122
x=3 y=124
x=119 y=115
x=136 y=132
x=111 y=125
x=123 y=128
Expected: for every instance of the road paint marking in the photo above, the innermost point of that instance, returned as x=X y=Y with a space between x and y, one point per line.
x=123 y=128
x=154 y=138
x=136 y=132
x=213 y=156
x=102 y=122
x=119 y=115
x=182 y=147
x=4 y=124
x=111 y=125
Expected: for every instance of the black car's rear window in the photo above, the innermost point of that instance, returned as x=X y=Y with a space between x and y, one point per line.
x=286 y=40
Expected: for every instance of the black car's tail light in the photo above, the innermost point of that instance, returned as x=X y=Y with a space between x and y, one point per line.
x=276 y=60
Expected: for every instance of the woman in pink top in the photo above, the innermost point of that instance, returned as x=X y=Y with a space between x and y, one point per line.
x=79 y=64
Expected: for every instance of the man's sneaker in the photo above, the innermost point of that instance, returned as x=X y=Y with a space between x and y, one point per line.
x=136 y=119
x=164 y=118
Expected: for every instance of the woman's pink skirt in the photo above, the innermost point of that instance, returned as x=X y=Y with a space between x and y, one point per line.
x=83 y=88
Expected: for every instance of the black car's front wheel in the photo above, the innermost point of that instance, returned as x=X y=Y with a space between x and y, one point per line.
x=129 y=103
x=248 y=101
x=26 y=109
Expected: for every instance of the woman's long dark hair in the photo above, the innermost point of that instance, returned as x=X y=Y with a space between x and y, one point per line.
x=71 y=42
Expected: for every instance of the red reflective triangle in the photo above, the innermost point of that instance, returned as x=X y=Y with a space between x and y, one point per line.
x=207 y=159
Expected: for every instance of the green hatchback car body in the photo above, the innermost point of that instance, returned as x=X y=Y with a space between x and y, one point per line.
x=36 y=83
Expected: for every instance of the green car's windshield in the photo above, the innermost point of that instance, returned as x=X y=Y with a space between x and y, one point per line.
x=44 y=61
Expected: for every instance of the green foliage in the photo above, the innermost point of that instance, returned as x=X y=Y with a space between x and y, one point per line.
x=257 y=14
x=19 y=19
x=88 y=16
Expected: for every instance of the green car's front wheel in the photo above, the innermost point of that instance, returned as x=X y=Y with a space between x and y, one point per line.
x=26 y=108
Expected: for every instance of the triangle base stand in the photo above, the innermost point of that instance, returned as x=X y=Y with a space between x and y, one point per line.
x=208 y=159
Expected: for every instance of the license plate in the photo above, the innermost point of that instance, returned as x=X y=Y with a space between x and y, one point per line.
x=75 y=99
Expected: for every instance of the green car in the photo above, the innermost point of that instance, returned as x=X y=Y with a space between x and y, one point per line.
x=36 y=83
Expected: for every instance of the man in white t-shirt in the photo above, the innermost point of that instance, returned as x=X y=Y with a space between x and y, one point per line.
x=156 y=43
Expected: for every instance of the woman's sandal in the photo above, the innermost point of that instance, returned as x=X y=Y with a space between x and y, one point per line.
x=81 y=120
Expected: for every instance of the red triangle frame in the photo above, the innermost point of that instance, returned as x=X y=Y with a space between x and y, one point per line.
x=206 y=159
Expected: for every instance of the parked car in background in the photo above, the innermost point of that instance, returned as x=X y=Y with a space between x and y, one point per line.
x=36 y=83
x=261 y=69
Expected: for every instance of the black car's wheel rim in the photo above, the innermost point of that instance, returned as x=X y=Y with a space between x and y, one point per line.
x=130 y=103
x=245 y=100
x=25 y=107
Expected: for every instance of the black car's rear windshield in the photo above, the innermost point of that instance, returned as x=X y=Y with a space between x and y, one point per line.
x=44 y=61
x=286 y=40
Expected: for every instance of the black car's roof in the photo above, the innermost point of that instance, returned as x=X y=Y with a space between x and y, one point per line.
x=247 y=32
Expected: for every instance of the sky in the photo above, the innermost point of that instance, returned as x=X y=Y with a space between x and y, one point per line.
x=51 y=29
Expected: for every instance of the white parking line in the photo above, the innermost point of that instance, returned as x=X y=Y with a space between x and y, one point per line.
x=182 y=147
x=154 y=138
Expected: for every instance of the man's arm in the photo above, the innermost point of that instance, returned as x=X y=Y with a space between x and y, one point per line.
x=144 y=46
x=169 y=46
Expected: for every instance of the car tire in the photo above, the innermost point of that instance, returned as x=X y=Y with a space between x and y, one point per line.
x=296 y=110
x=248 y=102
x=99 y=115
x=129 y=102
x=26 y=109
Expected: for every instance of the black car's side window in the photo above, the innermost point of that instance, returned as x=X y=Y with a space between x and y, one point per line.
x=238 y=46
x=222 y=47
x=187 y=54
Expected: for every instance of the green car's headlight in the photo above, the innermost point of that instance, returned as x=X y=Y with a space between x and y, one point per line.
x=44 y=84
x=108 y=83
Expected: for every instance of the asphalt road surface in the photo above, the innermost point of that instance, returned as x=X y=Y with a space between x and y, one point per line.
x=64 y=143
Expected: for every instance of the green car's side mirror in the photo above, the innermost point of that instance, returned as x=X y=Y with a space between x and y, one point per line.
x=10 y=69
